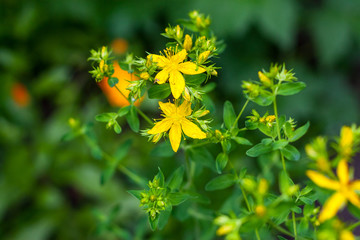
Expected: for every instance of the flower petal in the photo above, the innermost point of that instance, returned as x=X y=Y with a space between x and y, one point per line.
x=179 y=57
x=184 y=109
x=190 y=68
x=191 y=129
x=161 y=126
x=353 y=198
x=175 y=136
x=355 y=185
x=346 y=235
x=162 y=76
x=322 y=181
x=343 y=172
x=331 y=206
x=167 y=108
x=177 y=83
x=161 y=61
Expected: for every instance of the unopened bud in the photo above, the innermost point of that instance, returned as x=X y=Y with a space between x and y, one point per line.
x=225 y=229
x=187 y=42
x=214 y=72
x=260 y=210
x=264 y=79
x=263 y=186
x=144 y=75
x=179 y=32
x=203 y=57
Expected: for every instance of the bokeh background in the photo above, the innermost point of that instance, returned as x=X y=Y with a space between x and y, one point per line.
x=50 y=189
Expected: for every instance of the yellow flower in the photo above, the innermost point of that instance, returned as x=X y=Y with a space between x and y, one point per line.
x=344 y=190
x=346 y=235
x=346 y=141
x=175 y=120
x=172 y=66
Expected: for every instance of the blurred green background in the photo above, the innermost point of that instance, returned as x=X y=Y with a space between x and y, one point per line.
x=50 y=189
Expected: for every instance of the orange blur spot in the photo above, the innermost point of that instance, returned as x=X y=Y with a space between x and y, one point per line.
x=119 y=46
x=20 y=94
x=112 y=94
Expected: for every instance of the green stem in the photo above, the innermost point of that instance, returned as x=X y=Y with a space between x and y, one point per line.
x=280 y=229
x=257 y=234
x=278 y=129
x=238 y=117
x=188 y=171
x=142 y=114
x=351 y=227
x=245 y=198
x=197 y=145
x=294 y=225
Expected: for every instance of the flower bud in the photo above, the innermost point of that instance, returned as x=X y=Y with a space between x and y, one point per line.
x=264 y=79
x=263 y=186
x=225 y=229
x=203 y=57
x=249 y=184
x=260 y=210
x=178 y=31
x=144 y=75
x=187 y=42
x=214 y=72
x=186 y=94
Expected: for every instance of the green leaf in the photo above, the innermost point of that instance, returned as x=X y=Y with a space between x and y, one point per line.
x=296 y=209
x=264 y=99
x=113 y=81
x=124 y=66
x=258 y=149
x=136 y=193
x=284 y=182
x=229 y=115
x=298 y=133
x=280 y=144
x=202 y=156
x=123 y=111
x=194 y=80
x=117 y=128
x=281 y=238
x=306 y=190
x=105 y=117
x=290 y=88
x=221 y=161
x=288 y=130
x=133 y=120
x=291 y=153
x=307 y=200
x=159 y=91
x=162 y=150
x=354 y=211
x=154 y=223
x=241 y=141
x=226 y=145
x=221 y=182
x=178 y=198
x=161 y=178
x=176 y=178
x=164 y=217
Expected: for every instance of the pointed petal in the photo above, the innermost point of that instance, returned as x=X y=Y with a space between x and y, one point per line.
x=179 y=57
x=161 y=126
x=162 y=76
x=355 y=185
x=346 y=235
x=175 y=136
x=191 y=129
x=177 y=83
x=353 y=198
x=167 y=108
x=161 y=61
x=190 y=68
x=331 y=206
x=322 y=181
x=343 y=172
x=184 y=109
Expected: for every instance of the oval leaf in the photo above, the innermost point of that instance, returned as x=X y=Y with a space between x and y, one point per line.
x=221 y=161
x=291 y=153
x=259 y=149
x=133 y=120
x=159 y=91
x=229 y=115
x=290 y=88
x=241 y=141
x=298 y=133
x=221 y=182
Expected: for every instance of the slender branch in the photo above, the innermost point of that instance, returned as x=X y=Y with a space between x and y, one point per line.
x=278 y=130
x=257 y=234
x=245 y=198
x=238 y=117
x=351 y=227
x=280 y=229
x=142 y=114
x=294 y=225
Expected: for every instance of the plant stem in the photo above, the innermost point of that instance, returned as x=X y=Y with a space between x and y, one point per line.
x=351 y=227
x=238 y=117
x=294 y=225
x=278 y=130
x=188 y=171
x=245 y=198
x=257 y=234
x=197 y=145
x=280 y=229
x=142 y=114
